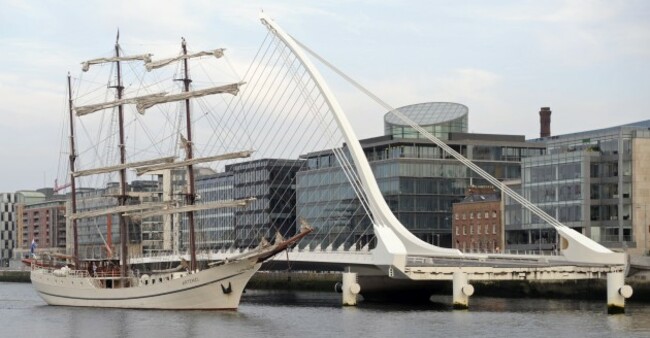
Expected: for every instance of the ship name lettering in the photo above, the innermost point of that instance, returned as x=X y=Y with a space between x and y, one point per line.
x=193 y=280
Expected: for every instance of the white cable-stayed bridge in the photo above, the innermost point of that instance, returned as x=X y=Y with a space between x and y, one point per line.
x=287 y=111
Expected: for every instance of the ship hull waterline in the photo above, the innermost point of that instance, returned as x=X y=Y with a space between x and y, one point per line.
x=216 y=288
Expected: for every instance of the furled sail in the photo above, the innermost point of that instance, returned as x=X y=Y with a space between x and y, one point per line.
x=228 y=156
x=146 y=103
x=117 y=167
x=217 y=53
x=117 y=210
x=168 y=210
x=91 y=108
x=86 y=64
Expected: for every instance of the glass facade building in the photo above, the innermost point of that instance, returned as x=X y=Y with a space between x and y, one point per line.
x=272 y=183
x=597 y=182
x=592 y=181
x=326 y=200
x=95 y=233
x=438 y=118
x=419 y=181
x=215 y=227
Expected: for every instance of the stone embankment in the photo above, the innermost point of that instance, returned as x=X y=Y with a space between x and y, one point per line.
x=314 y=281
x=14 y=276
x=580 y=289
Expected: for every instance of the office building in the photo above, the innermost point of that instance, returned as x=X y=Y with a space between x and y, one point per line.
x=597 y=182
x=419 y=181
x=7 y=227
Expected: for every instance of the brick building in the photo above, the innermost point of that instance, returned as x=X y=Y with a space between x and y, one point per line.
x=43 y=222
x=477 y=223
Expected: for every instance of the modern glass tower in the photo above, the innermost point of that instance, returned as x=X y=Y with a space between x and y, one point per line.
x=97 y=234
x=438 y=118
x=597 y=182
x=419 y=181
x=215 y=228
x=272 y=183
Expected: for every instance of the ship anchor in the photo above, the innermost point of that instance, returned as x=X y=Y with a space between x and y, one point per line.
x=226 y=290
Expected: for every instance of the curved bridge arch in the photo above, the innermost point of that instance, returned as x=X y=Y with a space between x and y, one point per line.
x=395 y=242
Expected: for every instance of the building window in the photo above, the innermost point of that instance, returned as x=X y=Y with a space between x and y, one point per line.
x=464 y=216
x=464 y=230
x=478 y=215
x=457 y=230
x=456 y=216
x=494 y=214
x=471 y=215
x=487 y=214
x=471 y=229
x=494 y=228
x=478 y=229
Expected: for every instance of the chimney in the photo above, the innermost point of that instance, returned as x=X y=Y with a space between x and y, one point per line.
x=545 y=122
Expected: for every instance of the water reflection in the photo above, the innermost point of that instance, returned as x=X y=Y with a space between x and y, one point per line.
x=631 y=321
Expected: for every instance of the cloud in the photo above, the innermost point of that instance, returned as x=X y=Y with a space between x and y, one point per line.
x=468 y=83
x=481 y=90
x=577 y=32
x=585 y=11
x=30 y=124
x=29 y=102
x=503 y=60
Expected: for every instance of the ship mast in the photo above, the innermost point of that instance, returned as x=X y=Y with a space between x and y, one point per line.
x=142 y=104
x=190 y=197
x=73 y=187
x=122 y=196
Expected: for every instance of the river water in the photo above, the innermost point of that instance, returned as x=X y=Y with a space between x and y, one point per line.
x=319 y=314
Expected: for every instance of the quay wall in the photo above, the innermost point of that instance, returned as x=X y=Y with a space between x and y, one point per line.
x=21 y=276
x=325 y=281
x=572 y=289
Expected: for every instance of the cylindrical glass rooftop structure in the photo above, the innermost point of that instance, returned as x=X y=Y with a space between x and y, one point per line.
x=438 y=118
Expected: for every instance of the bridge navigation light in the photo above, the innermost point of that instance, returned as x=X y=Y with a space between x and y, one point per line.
x=468 y=290
x=625 y=291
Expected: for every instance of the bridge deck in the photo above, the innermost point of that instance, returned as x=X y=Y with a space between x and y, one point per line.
x=505 y=267
x=476 y=266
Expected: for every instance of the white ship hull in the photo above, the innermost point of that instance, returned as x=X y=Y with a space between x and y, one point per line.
x=216 y=288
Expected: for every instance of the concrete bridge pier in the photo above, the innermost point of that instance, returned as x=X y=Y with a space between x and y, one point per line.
x=349 y=288
x=462 y=291
x=617 y=291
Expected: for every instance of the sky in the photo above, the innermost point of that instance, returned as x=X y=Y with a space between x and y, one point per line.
x=587 y=60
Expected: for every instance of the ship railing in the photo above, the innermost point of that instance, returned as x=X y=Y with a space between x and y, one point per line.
x=107 y=274
x=79 y=273
x=72 y=273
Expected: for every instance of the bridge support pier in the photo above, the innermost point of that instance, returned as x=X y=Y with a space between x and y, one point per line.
x=462 y=291
x=349 y=288
x=617 y=291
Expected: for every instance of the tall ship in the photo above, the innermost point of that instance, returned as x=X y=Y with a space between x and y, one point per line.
x=110 y=281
